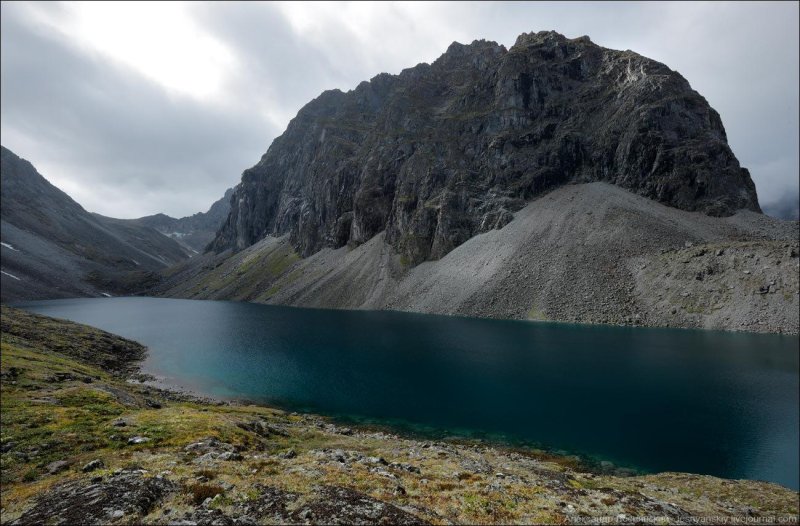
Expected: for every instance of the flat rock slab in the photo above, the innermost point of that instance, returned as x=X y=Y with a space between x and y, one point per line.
x=126 y=494
x=336 y=505
x=329 y=505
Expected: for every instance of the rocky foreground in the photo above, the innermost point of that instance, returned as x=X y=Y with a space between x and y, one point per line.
x=84 y=443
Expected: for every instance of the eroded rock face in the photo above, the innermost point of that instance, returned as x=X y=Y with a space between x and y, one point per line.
x=444 y=151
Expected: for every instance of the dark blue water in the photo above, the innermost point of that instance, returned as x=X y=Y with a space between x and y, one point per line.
x=708 y=402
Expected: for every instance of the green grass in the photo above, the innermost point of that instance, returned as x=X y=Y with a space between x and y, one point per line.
x=536 y=314
x=71 y=420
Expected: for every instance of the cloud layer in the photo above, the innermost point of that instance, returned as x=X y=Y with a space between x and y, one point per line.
x=135 y=109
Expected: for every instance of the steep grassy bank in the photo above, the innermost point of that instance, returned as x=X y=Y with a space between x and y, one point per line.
x=81 y=443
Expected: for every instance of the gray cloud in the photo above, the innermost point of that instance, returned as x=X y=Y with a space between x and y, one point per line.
x=124 y=146
x=117 y=143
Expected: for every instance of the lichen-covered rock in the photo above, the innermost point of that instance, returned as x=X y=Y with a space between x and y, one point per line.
x=126 y=494
x=338 y=505
x=444 y=151
x=325 y=505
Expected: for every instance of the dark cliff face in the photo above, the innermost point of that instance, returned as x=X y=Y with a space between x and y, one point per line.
x=442 y=152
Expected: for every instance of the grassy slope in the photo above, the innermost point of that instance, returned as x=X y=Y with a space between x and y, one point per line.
x=58 y=403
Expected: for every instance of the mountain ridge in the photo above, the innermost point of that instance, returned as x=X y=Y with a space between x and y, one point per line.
x=445 y=151
x=556 y=180
x=196 y=231
x=52 y=247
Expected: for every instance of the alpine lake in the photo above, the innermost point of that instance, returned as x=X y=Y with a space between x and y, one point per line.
x=651 y=400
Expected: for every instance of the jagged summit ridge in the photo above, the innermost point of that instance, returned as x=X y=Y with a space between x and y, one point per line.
x=447 y=150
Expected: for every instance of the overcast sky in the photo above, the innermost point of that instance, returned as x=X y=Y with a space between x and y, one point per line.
x=139 y=108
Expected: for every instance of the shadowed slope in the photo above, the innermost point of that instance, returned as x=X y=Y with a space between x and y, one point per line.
x=54 y=248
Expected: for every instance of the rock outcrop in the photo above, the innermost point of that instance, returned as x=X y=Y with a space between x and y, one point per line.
x=442 y=152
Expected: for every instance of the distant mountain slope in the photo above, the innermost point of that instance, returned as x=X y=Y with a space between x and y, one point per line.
x=196 y=231
x=445 y=151
x=556 y=180
x=52 y=247
x=591 y=253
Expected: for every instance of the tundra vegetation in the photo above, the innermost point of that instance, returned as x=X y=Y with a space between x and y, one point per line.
x=84 y=439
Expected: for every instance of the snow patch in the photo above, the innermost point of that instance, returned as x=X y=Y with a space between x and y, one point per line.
x=9 y=275
x=136 y=262
x=9 y=246
x=106 y=294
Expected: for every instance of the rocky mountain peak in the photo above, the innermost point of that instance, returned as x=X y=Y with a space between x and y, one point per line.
x=539 y=38
x=457 y=54
x=442 y=152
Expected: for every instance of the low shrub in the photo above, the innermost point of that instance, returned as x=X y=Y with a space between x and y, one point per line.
x=201 y=492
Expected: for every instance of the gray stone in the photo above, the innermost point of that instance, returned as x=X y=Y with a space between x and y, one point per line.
x=93 y=465
x=56 y=467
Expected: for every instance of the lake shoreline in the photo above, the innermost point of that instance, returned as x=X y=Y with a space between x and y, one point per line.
x=174 y=446
x=536 y=384
x=407 y=430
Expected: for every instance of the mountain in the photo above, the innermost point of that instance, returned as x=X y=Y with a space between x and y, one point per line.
x=53 y=248
x=194 y=232
x=587 y=253
x=557 y=180
x=442 y=152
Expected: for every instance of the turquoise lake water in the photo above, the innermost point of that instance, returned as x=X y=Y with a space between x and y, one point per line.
x=708 y=402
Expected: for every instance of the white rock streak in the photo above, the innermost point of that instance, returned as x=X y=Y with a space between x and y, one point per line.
x=9 y=275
